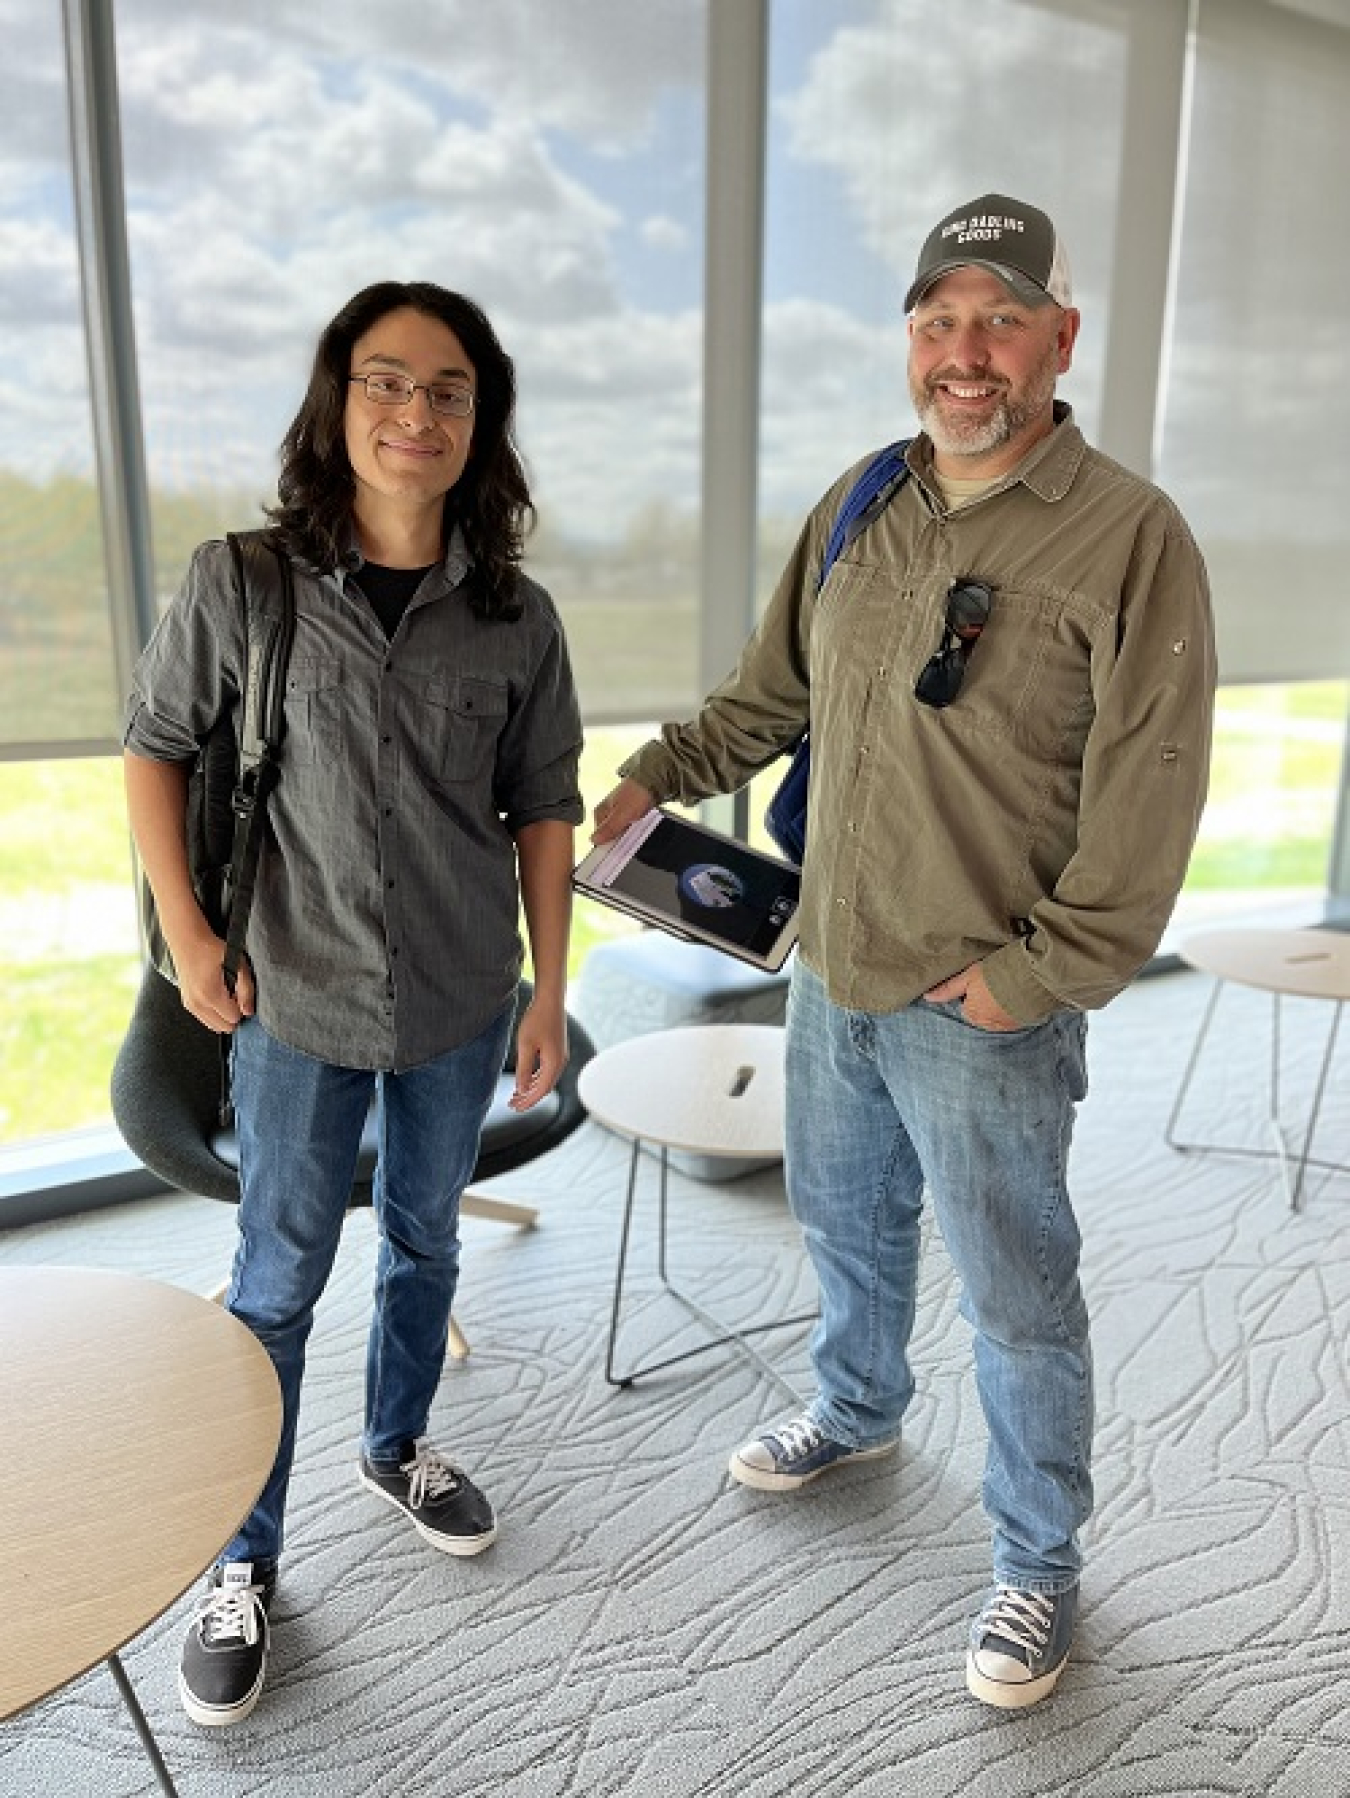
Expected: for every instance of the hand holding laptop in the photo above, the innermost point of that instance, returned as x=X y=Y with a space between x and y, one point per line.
x=690 y=880
x=622 y=806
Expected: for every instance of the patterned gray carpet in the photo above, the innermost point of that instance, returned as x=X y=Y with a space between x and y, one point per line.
x=645 y=1626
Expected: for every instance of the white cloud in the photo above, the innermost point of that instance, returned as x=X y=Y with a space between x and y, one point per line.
x=596 y=69
x=662 y=233
x=276 y=165
x=920 y=109
x=833 y=389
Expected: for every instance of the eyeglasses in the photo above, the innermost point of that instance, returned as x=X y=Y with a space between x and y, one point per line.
x=968 y=605
x=397 y=390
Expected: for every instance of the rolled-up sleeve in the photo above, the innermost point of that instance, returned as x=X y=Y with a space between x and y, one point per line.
x=540 y=750
x=188 y=674
x=1144 y=777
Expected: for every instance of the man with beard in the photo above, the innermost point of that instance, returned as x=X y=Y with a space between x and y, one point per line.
x=1008 y=675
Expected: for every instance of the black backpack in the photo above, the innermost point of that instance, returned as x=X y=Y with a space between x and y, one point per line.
x=236 y=769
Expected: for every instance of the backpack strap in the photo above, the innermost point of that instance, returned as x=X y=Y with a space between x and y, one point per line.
x=866 y=500
x=266 y=587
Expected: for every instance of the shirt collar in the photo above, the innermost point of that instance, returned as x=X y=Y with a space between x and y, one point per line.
x=455 y=564
x=1047 y=469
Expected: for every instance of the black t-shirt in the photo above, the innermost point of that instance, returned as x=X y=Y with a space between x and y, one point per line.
x=389 y=591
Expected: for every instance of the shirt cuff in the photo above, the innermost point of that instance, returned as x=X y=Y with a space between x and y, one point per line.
x=655 y=768
x=567 y=811
x=1013 y=985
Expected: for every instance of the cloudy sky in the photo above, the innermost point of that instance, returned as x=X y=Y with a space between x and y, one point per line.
x=547 y=158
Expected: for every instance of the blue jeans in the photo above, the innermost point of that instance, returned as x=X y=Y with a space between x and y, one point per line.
x=300 y=1123
x=880 y=1107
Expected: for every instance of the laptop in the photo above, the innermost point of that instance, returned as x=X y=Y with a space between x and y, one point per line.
x=700 y=884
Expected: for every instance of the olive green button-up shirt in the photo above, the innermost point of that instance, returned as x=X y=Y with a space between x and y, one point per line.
x=1040 y=824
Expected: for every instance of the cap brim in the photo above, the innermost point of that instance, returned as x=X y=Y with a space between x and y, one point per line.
x=1021 y=286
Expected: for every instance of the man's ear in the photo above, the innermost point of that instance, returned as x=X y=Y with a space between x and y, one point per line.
x=1069 y=320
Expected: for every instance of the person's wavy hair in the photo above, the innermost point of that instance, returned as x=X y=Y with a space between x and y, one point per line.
x=490 y=501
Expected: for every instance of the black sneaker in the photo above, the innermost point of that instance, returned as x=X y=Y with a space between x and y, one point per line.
x=1019 y=1645
x=439 y=1498
x=792 y=1453
x=225 y=1656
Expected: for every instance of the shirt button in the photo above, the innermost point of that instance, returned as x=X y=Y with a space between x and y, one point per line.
x=389 y=883
x=863 y=749
x=842 y=904
x=852 y=828
x=386 y=739
x=1179 y=647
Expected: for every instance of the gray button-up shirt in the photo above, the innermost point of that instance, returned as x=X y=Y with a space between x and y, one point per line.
x=385 y=923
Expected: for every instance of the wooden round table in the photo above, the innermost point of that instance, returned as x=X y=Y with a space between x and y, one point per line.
x=708 y=1089
x=139 y=1425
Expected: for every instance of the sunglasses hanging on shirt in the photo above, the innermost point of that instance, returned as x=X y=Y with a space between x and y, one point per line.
x=968 y=607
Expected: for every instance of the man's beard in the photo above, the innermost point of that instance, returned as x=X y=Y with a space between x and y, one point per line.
x=977 y=437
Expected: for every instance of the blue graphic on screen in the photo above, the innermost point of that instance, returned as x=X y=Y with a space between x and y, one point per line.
x=738 y=897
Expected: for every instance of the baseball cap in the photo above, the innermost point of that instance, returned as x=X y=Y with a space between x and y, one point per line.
x=1013 y=240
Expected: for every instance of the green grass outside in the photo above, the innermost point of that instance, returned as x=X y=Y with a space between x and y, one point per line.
x=69 y=955
x=69 y=959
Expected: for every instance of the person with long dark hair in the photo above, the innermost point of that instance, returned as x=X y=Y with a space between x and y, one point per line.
x=428 y=789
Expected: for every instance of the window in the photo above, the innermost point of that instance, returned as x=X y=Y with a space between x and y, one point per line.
x=546 y=161
x=882 y=119
x=57 y=686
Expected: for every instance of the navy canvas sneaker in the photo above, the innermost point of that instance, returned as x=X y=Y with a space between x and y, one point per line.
x=1019 y=1646
x=224 y=1658
x=792 y=1453
x=439 y=1499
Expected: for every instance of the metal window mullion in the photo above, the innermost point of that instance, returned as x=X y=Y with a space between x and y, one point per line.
x=1338 y=861
x=737 y=101
x=1147 y=236
x=105 y=277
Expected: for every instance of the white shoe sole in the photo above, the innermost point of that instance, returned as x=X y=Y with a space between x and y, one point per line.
x=765 y=1480
x=448 y=1545
x=1006 y=1695
x=217 y=1717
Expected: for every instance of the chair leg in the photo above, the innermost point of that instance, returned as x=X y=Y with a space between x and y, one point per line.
x=501 y=1211
x=458 y=1344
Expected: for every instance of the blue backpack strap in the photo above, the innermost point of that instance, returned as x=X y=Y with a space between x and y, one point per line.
x=869 y=495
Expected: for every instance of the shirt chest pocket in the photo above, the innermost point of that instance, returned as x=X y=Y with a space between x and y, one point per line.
x=466 y=715
x=313 y=709
x=1029 y=675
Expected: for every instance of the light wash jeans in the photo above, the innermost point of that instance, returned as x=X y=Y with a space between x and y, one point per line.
x=880 y=1107
x=299 y=1123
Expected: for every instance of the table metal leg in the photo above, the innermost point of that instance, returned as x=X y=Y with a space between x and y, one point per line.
x=1293 y=1184
x=148 y=1741
x=1169 y=1134
x=723 y=1332
x=1296 y=1194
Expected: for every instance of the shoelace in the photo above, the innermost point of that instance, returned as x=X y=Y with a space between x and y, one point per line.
x=1023 y=1618
x=430 y=1476
x=230 y=1614
x=800 y=1436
